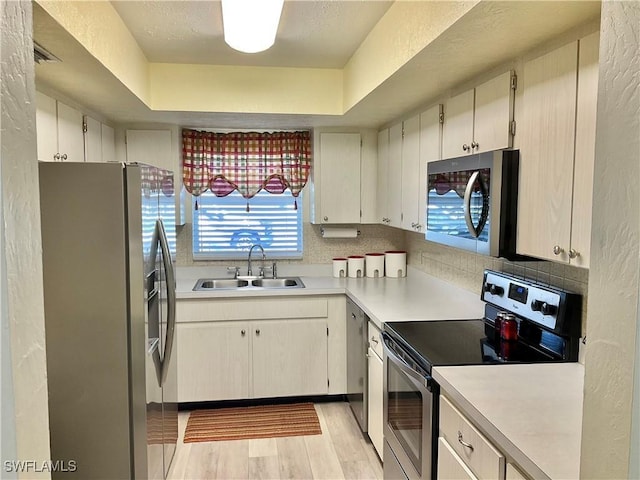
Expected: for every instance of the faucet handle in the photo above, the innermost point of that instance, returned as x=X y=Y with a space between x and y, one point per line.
x=235 y=270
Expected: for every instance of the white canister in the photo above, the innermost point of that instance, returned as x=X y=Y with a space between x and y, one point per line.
x=395 y=263
x=339 y=267
x=355 y=266
x=374 y=265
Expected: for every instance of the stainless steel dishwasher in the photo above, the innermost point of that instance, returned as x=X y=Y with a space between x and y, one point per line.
x=357 y=362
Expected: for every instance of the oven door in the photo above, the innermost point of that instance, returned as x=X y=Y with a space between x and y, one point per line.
x=410 y=413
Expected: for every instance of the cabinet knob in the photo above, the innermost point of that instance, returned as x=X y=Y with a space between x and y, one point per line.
x=56 y=157
x=475 y=145
x=573 y=253
x=465 y=147
x=257 y=331
x=557 y=250
x=243 y=332
x=374 y=340
x=326 y=218
x=64 y=157
x=353 y=315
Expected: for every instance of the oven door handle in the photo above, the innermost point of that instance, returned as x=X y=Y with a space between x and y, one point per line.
x=422 y=381
x=474 y=230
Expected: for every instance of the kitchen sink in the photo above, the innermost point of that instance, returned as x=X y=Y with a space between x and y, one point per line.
x=219 y=283
x=290 y=282
x=207 y=284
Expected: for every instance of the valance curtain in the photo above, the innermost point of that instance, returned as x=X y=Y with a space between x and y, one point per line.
x=245 y=161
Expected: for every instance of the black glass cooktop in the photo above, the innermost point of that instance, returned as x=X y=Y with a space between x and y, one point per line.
x=460 y=342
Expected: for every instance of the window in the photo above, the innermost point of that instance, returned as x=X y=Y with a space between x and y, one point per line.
x=222 y=227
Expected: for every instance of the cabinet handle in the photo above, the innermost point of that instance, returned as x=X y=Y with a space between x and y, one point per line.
x=463 y=443
x=475 y=145
x=573 y=253
x=64 y=157
x=353 y=315
x=557 y=250
x=374 y=340
x=465 y=147
x=257 y=331
x=243 y=332
x=56 y=157
x=326 y=218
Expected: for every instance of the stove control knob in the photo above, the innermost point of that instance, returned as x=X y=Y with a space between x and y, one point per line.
x=543 y=307
x=494 y=289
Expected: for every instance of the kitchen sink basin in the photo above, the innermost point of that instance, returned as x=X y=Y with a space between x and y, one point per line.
x=207 y=284
x=290 y=282
x=220 y=283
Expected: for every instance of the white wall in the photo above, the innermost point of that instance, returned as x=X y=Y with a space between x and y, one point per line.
x=615 y=250
x=21 y=276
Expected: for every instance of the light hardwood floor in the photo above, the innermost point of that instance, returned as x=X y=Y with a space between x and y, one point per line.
x=341 y=452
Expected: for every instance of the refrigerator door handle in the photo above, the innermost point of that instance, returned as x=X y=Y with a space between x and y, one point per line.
x=171 y=298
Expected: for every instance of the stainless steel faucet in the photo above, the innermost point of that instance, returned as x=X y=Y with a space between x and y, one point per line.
x=249 y=269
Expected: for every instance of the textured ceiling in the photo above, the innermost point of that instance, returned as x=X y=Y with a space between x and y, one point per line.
x=311 y=34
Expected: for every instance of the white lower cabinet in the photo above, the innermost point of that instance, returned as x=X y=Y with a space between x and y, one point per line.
x=514 y=474
x=289 y=357
x=450 y=465
x=248 y=348
x=375 y=397
x=470 y=447
x=213 y=362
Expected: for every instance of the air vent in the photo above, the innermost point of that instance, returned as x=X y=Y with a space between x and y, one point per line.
x=42 y=55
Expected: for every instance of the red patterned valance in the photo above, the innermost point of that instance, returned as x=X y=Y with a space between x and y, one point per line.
x=245 y=161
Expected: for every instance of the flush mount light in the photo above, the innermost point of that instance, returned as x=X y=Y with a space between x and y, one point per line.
x=250 y=26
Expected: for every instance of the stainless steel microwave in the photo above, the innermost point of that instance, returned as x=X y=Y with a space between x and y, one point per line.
x=472 y=202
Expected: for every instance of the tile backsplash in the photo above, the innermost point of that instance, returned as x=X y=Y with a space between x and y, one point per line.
x=465 y=269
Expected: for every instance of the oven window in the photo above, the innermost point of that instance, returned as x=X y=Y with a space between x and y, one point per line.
x=405 y=414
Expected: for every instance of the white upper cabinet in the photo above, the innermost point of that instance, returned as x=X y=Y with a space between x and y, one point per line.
x=336 y=179
x=108 y=145
x=410 y=218
x=394 y=177
x=480 y=119
x=383 y=177
x=59 y=131
x=430 y=151
x=557 y=153
x=92 y=140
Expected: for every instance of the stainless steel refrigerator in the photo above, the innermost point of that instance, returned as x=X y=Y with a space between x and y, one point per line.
x=109 y=295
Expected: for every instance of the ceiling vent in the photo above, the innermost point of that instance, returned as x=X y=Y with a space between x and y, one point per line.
x=42 y=55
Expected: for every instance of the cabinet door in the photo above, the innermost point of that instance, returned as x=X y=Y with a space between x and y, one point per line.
x=513 y=473
x=289 y=357
x=457 y=131
x=213 y=361
x=410 y=190
x=585 y=150
x=430 y=151
x=152 y=147
x=450 y=465
x=383 y=179
x=340 y=177
x=70 y=134
x=394 y=175
x=493 y=112
x=92 y=140
x=375 y=419
x=547 y=153
x=108 y=143
x=46 y=127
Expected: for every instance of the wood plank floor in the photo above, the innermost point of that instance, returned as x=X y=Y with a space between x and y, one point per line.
x=341 y=452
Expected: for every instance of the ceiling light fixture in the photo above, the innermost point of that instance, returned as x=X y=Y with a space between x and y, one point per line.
x=250 y=26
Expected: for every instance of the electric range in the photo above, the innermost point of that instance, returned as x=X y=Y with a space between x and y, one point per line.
x=523 y=322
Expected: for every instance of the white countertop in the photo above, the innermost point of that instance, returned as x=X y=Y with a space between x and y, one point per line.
x=417 y=296
x=533 y=413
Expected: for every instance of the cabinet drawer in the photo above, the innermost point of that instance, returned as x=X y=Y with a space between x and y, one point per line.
x=450 y=465
x=374 y=339
x=483 y=459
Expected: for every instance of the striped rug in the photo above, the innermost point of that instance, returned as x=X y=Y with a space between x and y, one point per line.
x=263 y=421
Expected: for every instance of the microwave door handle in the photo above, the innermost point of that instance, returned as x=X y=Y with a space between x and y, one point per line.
x=467 y=205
